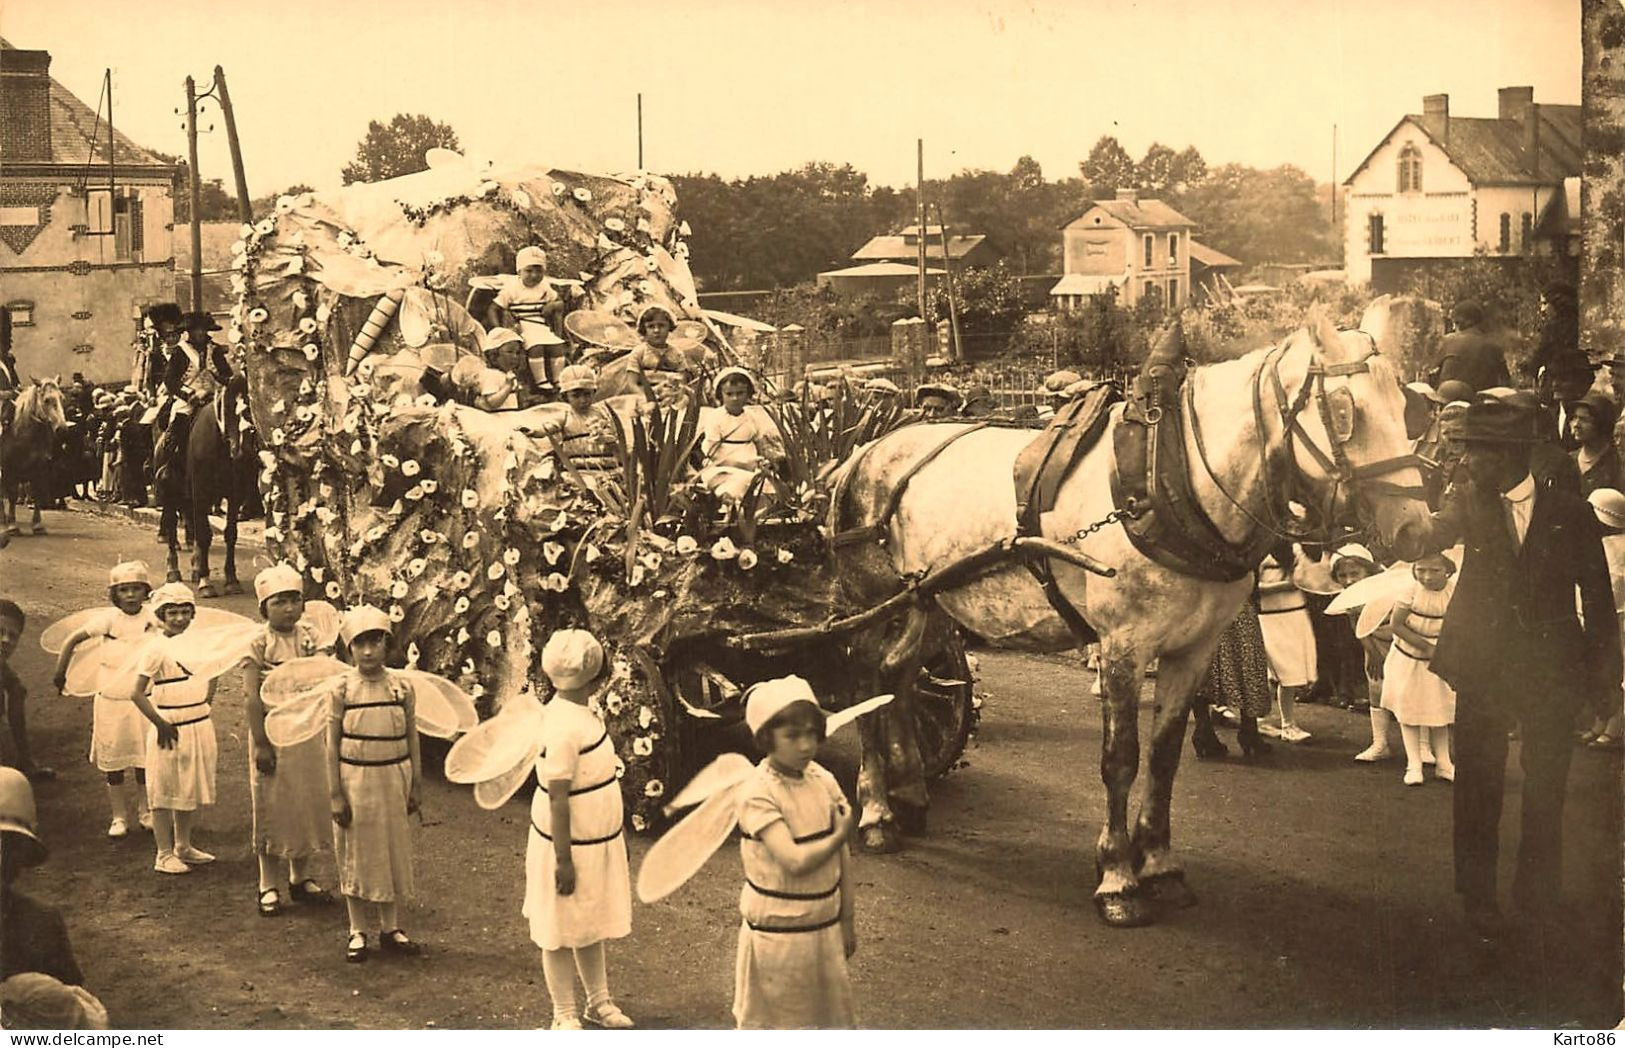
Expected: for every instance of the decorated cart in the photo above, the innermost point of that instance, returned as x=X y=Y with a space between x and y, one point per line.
x=477 y=531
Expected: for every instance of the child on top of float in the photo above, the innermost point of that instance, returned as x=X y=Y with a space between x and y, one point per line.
x=738 y=439
x=117 y=731
x=587 y=436
x=535 y=306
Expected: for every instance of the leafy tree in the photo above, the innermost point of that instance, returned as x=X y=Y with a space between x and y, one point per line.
x=988 y=300
x=1189 y=167
x=1157 y=172
x=1109 y=167
x=1260 y=216
x=215 y=204
x=397 y=148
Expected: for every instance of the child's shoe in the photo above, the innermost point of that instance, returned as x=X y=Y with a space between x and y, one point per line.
x=606 y=1014
x=566 y=1022
x=355 y=951
x=1444 y=771
x=1267 y=729
x=397 y=942
x=193 y=856
x=118 y=828
x=1377 y=751
x=143 y=819
x=168 y=863
x=1413 y=775
x=1293 y=733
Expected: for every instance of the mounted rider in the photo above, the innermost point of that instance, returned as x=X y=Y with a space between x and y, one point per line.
x=11 y=382
x=196 y=369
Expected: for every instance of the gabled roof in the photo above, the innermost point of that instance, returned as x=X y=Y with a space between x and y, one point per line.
x=1561 y=216
x=76 y=138
x=900 y=246
x=1138 y=214
x=1490 y=151
x=1212 y=258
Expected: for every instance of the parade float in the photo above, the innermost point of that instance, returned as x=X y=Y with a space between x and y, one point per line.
x=472 y=529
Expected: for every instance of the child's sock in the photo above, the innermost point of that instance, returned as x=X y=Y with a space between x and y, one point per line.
x=1413 y=753
x=163 y=831
x=1444 y=766
x=297 y=873
x=356 y=909
x=591 y=966
x=1287 y=702
x=116 y=801
x=559 y=970
x=138 y=794
x=183 y=830
x=269 y=872
x=388 y=917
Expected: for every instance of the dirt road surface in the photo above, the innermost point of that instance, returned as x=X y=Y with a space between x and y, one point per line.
x=1324 y=886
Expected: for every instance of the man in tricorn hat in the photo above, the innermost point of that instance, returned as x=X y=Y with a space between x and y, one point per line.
x=1516 y=652
x=197 y=367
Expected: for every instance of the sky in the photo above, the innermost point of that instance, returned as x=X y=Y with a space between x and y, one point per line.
x=741 y=87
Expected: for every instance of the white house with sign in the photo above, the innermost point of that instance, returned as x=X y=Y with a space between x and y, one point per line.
x=85 y=236
x=1140 y=247
x=1444 y=187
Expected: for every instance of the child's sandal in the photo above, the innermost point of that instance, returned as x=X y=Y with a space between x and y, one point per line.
x=397 y=942
x=308 y=891
x=270 y=902
x=607 y=1015
x=356 y=951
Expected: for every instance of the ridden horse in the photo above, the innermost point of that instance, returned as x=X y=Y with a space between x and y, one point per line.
x=1258 y=432
x=221 y=463
x=26 y=446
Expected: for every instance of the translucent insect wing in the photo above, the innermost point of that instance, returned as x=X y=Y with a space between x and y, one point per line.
x=687 y=847
x=58 y=632
x=493 y=748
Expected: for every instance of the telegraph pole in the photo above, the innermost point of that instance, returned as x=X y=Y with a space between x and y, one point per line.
x=245 y=209
x=640 y=130
x=197 y=195
x=920 y=220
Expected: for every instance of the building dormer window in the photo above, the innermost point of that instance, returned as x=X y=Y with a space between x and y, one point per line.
x=1410 y=169
x=1150 y=249
x=1173 y=249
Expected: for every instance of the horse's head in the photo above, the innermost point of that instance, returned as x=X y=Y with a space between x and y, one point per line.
x=1346 y=431
x=42 y=402
x=1406 y=329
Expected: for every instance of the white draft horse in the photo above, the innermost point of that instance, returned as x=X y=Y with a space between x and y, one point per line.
x=26 y=444
x=1244 y=468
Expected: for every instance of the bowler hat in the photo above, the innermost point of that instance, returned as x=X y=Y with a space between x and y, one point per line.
x=201 y=322
x=19 y=818
x=1492 y=420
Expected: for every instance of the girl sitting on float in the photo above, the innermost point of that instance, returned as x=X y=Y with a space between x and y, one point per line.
x=737 y=440
x=588 y=433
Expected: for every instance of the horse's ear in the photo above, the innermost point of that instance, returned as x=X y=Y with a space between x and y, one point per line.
x=1325 y=334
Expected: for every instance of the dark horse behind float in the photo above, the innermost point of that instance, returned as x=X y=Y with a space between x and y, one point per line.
x=1314 y=420
x=217 y=464
x=26 y=445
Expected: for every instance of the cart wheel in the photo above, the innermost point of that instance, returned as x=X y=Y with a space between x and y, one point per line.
x=944 y=707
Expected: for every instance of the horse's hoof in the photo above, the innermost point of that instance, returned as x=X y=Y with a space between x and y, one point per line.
x=881 y=839
x=1168 y=889
x=173 y=576
x=12 y=529
x=1123 y=911
x=909 y=819
x=37 y=529
x=232 y=588
x=205 y=588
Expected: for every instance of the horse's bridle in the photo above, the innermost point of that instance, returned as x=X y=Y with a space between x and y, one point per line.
x=1337 y=412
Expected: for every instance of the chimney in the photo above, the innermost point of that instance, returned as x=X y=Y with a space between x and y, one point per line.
x=1131 y=196
x=1518 y=106
x=1436 y=113
x=25 y=106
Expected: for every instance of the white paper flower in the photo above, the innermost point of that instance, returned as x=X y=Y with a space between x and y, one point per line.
x=415 y=567
x=412 y=654
x=643 y=746
x=650 y=560
x=333 y=591
x=612 y=703
x=414 y=493
x=307 y=325
x=521 y=198
x=560 y=522
x=375 y=533
x=559 y=189
x=494 y=639
x=556 y=582
x=389 y=461
x=461 y=606
x=426 y=400
x=323 y=312
x=723 y=549
x=471 y=539
x=637 y=576
x=592 y=553
x=273 y=534
x=316 y=573
x=258 y=315
x=653 y=788
x=355 y=446
x=582 y=194
x=646 y=717
x=396 y=613
x=461 y=580
x=410 y=468
x=687 y=544
x=462 y=638
x=510 y=556
x=300 y=300
x=495 y=571
x=614 y=225
x=301 y=413
x=502 y=602
x=429 y=486
x=552 y=551
x=396 y=508
x=747 y=559
x=471 y=498
x=399 y=589
x=639 y=823
x=310 y=351
x=785 y=556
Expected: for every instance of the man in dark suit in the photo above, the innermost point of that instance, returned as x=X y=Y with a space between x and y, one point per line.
x=1472 y=354
x=1516 y=652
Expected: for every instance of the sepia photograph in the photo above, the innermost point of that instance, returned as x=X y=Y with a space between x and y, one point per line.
x=1061 y=515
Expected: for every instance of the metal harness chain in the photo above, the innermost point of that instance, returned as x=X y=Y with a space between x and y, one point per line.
x=1111 y=518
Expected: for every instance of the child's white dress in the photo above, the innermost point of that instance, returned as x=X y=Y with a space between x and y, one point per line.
x=1410 y=688
x=118 y=731
x=735 y=447
x=790 y=971
x=1289 y=636
x=290 y=809
x=180 y=778
x=374 y=852
x=576 y=746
